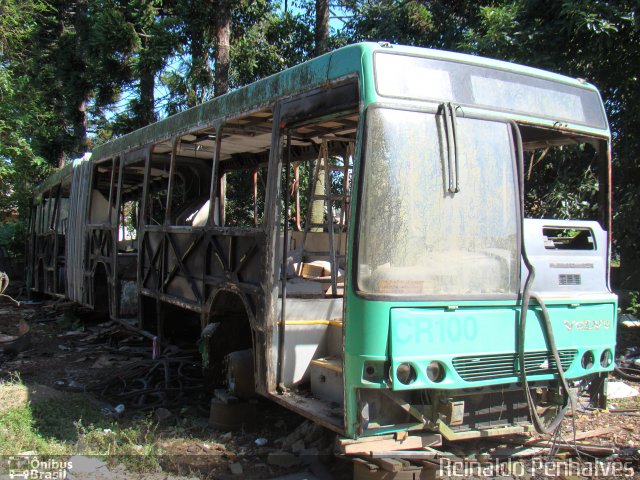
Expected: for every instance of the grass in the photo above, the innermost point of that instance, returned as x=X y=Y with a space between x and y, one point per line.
x=50 y=423
x=43 y=421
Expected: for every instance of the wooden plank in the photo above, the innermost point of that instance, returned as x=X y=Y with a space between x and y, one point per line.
x=350 y=441
x=389 y=464
x=361 y=461
x=582 y=447
x=510 y=452
x=361 y=472
x=472 y=434
x=599 y=432
x=404 y=455
x=412 y=442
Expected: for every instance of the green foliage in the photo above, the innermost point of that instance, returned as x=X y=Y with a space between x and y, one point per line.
x=562 y=183
x=13 y=237
x=634 y=303
x=66 y=66
x=265 y=42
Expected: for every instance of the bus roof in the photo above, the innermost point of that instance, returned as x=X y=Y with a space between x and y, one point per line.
x=344 y=62
x=341 y=63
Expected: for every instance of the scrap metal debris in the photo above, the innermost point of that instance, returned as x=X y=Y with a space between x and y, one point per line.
x=167 y=382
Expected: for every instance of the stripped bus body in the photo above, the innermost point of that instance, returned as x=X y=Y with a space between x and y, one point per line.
x=401 y=306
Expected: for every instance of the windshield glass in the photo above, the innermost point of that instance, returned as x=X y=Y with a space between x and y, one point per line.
x=416 y=237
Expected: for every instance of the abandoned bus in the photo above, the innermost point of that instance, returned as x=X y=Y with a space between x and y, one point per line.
x=354 y=238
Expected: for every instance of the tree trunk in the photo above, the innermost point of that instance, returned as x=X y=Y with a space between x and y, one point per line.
x=223 y=34
x=82 y=90
x=322 y=27
x=147 y=98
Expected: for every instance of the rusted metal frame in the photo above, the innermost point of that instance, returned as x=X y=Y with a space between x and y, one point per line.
x=332 y=250
x=248 y=288
x=172 y=299
x=153 y=258
x=244 y=260
x=214 y=191
x=105 y=243
x=255 y=196
x=265 y=316
x=101 y=259
x=219 y=252
x=87 y=291
x=111 y=181
x=49 y=211
x=213 y=205
x=50 y=243
x=180 y=265
x=231 y=271
x=115 y=227
x=58 y=222
x=172 y=170
x=163 y=242
x=42 y=213
x=282 y=327
x=296 y=191
x=222 y=195
x=142 y=220
x=30 y=247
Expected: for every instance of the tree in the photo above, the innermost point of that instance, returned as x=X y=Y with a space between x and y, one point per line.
x=322 y=27
x=21 y=115
x=152 y=41
x=223 y=48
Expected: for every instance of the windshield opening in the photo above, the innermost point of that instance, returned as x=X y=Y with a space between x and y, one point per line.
x=420 y=237
x=562 y=175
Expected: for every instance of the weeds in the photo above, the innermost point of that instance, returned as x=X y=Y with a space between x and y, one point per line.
x=634 y=303
x=70 y=424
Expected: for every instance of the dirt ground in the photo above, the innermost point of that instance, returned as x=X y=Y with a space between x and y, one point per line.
x=73 y=353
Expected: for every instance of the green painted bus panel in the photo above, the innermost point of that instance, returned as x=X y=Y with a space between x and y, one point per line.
x=369 y=329
x=488 y=337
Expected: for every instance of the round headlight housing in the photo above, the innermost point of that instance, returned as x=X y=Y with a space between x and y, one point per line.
x=406 y=374
x=606 y=358
x=435 y=372
x=587 y=360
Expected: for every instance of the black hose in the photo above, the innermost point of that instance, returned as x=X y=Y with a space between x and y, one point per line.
x=631 y=374
x=527 y=294
x=567 y=398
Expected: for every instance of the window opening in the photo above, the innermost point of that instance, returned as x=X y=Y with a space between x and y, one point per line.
x=244 y=156
x=562 y=175
x=191 y=186
x=557 y=238
x=321 y=173
x=103 y=192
